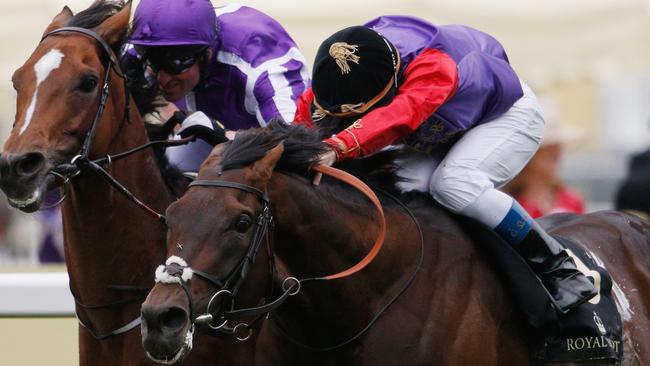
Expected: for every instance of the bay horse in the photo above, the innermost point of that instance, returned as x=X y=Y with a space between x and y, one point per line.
x=456 y=310
x=111 y=245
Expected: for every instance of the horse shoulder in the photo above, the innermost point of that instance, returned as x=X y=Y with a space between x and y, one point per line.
x=466 y=312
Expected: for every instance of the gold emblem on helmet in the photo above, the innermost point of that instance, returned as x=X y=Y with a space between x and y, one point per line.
x=342 y=52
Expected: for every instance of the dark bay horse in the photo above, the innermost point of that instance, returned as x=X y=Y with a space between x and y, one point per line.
x=457 y=311
x=109 y=241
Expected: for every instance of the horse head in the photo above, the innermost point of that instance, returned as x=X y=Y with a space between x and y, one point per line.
x=59 y=92
x=220 y=238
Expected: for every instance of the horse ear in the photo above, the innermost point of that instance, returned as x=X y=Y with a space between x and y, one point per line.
x=60 y=20
x=215 y=156
x=262 y=169
x=113 y=29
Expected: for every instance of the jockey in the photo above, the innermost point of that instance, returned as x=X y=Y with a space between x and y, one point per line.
x=231 y=63
x=403 y=80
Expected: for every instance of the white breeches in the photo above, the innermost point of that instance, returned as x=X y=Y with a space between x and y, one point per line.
x=486 y=157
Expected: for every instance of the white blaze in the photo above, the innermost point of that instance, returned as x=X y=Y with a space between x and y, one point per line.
x=42 y=69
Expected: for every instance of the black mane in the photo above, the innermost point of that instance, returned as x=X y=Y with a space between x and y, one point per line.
x=302 y=147
x=99 y=11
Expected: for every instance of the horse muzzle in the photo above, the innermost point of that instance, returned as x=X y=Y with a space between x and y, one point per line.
x=24 y=179
x=167 y=334
x=175 y=357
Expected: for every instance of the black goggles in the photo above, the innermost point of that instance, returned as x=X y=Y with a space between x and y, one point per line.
x=173 y=60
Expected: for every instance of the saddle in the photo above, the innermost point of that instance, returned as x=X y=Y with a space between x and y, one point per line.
x=592 y=331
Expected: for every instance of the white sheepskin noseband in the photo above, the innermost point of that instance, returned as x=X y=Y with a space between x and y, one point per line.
x=165 y=277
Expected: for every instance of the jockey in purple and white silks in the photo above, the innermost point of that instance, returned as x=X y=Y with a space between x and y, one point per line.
x=403 y=80
x=232 y=63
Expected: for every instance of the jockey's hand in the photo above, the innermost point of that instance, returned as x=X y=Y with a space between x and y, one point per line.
x=201 y=126
x=327 y=158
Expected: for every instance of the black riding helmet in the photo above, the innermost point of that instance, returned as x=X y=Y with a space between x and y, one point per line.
x=354 y=69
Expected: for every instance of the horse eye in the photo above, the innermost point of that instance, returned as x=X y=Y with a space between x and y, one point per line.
x=88 y=84
x=243 y=224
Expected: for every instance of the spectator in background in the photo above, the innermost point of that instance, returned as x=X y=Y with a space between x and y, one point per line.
x=634 y=193
x=538 y=187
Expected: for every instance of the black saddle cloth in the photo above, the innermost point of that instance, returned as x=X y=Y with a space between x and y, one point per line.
x=593 y=331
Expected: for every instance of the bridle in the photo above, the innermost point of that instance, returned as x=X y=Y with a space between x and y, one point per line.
x=229 y=286
x=215 y=317
x=111 y=64
x=81 y=163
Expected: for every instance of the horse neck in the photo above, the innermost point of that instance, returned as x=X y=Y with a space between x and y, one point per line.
x=314 y=229
x=319 y=234
x=108 y=239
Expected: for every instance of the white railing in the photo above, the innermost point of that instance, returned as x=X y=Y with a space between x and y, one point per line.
x=35 y=294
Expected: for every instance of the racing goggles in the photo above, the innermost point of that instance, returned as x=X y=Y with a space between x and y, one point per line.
x=173 y=60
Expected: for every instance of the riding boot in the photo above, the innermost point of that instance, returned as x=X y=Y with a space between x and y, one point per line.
x=550 y=261
x=566 y=285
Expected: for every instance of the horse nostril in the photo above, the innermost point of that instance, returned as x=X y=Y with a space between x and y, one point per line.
x=173 y=318
x=29 y=164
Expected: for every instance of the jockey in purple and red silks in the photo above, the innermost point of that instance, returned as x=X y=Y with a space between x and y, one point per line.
x=231 y=63
x=402 y=80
